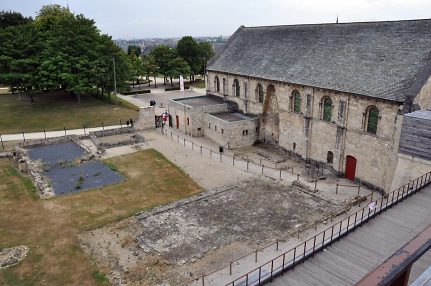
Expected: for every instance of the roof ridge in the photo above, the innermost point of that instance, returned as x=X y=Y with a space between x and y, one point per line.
x=334 y=24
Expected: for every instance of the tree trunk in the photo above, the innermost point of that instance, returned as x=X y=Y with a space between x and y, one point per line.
x=155 y=82
x=78 y=96
x=171 y=81
x=102 y=91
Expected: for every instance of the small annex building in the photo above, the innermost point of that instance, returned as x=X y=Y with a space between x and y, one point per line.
x=330 y=93
x=209 y=116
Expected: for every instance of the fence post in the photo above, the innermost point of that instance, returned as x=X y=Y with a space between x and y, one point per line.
x=203 y=280
x=201 y=150
x=262 y=169
x=23 y=137
x=276 y=243
x=1 y=139
x=230 y=268
x=233 y=160
x=247 y=164
x=371 y=199
x=85 y=133
x=44 y=133
x=359 y=188
x=121 y=123
x=103 y=126
x=64 y=127
x=297 y=178
x=280 y=174
x=255 y=255
x=336 y=190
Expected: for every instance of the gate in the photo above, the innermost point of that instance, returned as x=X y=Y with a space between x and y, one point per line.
x=159 y=121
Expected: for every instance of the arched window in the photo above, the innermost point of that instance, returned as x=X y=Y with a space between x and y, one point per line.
x=217 y=84
x=260 y=94
x=372 y=118
x=236 y=88
x=327 y=109
x=296 y=97
x=330 y=157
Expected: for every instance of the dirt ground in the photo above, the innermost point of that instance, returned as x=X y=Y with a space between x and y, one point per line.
x=176 y=243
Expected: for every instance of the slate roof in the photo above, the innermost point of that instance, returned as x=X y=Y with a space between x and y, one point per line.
x=389 y=60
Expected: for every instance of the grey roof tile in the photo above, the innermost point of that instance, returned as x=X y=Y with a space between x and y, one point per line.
x=378 y=59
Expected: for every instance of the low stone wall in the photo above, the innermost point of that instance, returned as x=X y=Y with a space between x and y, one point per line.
x=110 y=132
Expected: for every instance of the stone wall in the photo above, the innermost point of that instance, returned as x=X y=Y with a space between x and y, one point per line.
x=423 y=99
x=192 y=119
x=308 y=135
x=409 y=168
x=230 y=134
x=146 y=119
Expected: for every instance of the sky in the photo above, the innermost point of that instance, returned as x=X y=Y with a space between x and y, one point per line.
x=136 y=19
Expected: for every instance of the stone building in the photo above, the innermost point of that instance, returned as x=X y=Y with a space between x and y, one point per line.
x=331 y=93
x=213 y=117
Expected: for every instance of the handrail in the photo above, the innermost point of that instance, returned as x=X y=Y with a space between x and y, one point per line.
x=373 y=210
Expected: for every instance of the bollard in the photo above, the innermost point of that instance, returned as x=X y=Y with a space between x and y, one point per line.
x=23 y=137
x=297 y=178
x=262 y=169
x=230 y=268
x=44 y=133
x=336 y=190
x=64 y=130
x=280 y=174
x=247 y=164
x=84 y=130
x=1 y=139
x=359 y=188
x=103 y=126
x=233 y=160
x=121 y=123
x=276 y=245
x=315 y=184
x=255 y=256
x=203 y=280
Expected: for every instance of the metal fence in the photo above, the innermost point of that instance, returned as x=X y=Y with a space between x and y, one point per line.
x=298 y=254
x=262 y=168
x=85 y=127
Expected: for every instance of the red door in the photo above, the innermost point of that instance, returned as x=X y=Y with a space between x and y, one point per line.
x=350 y=167
x=177 y=121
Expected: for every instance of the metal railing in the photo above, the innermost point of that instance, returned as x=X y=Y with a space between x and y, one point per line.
x=289 y=259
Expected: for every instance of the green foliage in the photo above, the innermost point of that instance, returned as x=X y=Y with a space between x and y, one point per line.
x=60 y=50
x=112 y=167
x=134 y=50
x=99 y=277
x=150 y=67
x=10 y=18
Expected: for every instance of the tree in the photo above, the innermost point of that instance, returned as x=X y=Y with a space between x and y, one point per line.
x=206 y=52
x=177 y=67
x=19 y=58
x=136 y=67
x=9 y=19
x=134 y=49
x=150 y=68
x=163 y=55
x=188 y=49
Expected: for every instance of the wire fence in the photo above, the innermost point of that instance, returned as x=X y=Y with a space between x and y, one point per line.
x=262 y=168
x=85 y=127
x=289 y=259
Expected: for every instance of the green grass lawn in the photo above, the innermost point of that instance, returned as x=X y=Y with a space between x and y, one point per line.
x=51 y=227
x=54 y=112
